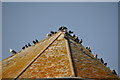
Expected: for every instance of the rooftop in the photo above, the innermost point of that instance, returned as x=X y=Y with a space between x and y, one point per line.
x=60 y=55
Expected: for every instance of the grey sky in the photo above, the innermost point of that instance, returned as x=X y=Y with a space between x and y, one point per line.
x=95 y=23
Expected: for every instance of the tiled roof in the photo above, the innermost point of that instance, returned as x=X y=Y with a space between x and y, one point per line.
x=55 y=57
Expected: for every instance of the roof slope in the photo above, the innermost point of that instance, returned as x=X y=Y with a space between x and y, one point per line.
x=55 y=57
x=86 y=65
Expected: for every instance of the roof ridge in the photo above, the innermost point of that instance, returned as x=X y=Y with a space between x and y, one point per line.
x=40 y=54
x=26 y=64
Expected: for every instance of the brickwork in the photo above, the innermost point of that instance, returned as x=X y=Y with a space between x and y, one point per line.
x=54 y=62
x=87 y=66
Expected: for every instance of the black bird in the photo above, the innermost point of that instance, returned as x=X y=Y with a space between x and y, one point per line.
x=60 y=29
x=34 y=42
x=55 y=32
x=64 y=27
x=74 y=36
x=26 y=46
x=13 y=51
x=114 y=72
x=101 y=60
x=29 y=44
x=77 y=40
x=52 y=32
x=96 y=55
x=105 y=64
x=49 y=35
x=70 y=32
x=90 y=50
x=80 y=41
x=23 y=47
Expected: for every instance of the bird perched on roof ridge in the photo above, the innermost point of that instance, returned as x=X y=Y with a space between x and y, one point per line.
x=95 y=55
x=52 y=32
x=13 y=51
x=23 y=47
x=63 y=28
x=37 y=41
x=70 y=32
x=88 y=47
x=60 y=29
x=29 y=44
x=77 y=40
x=101 y=60
x=80 y=41
x=73 y=36
x=26 y=46
x=105 y=64
x=48 y=35
x=34 y=42
x=114 y=72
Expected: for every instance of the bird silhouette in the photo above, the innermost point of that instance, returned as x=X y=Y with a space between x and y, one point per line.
x=80 y=41
x=29 y=44
x=23 y=47
x=70 y=32
x=52 y=32
x=36 y=41
x=26 y=46
x=114 y=72
x=101 y=60
x=105 y=64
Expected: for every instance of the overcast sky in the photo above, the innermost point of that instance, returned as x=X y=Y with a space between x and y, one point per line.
x=95 y=23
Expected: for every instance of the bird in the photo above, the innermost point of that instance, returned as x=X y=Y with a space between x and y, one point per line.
x=60 y=29
x=96 y=56
x=52 y=32
x=64 y=29
x=13 y=51
x=114 y=72
x=88 y=47
x=26 y=46
x=23 y=47
x=77 y=40
x=70 y=32
x=29 y=44
x=49 y=35
x=55 y=32
x=90 y=50
x=80 y=41
x=101 y=60
x=73 y=36
x=34 y=42
x=105 y=64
